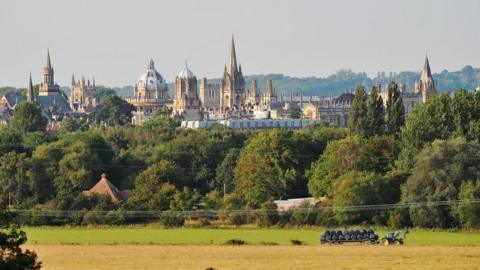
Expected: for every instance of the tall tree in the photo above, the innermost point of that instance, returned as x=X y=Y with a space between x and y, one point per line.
x=358 y=113
x=375 y=113
x=438 y=175
x=14 y=188
x=225 y=171
x=27 y=117
x=115 y=111
x=395 y=110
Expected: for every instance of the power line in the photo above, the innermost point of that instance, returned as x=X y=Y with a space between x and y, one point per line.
x=217 y=212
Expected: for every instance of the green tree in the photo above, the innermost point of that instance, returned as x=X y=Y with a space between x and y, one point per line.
x=272 y=166
x=72 y=125
x=102 y=92
x=115 y=111
x=375 y=113
x=430 y=121
x=439 y=172
x=375 y=154
x=356 y=188
x=27 y=117
x=469 y=213
x=14 y=186
x=10 y=140
x=155 y=186
x=225 y=171
x=358 y=121
x=395 y=110
x=12 y=257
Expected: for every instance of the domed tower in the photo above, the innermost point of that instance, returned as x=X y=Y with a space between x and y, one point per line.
x=151 y=90
x=186 y=102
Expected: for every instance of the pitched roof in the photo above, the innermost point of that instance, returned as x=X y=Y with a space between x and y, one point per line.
x=106 y=187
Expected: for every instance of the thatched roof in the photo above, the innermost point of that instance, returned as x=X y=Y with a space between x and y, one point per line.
x=106 y=187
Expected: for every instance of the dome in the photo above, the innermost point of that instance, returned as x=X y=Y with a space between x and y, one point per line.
x=185 y=73
x=151 y=79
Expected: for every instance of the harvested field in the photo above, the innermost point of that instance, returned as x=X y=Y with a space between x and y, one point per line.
x=256 y=257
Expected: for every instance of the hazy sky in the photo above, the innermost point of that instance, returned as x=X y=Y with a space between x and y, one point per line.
x=113 y=40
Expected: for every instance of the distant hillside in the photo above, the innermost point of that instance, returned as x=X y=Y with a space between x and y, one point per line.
x=341 y=81
x=346 y=80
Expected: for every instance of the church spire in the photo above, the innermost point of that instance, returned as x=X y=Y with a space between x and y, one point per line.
x=73 y=79
x=151 y=64
x=426 y=72
x=233 y=58
x=48 y=65
x=30 y=89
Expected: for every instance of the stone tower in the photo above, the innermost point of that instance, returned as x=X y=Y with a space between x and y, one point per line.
x=82 y=97
x=186 y=102
x=48 y=86
x=426 y=85
x=232 y=85
x=252 y=95
x=268 y=96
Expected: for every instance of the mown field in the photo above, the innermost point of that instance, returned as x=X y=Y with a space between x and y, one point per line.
x=189 y=257
x=191 y=236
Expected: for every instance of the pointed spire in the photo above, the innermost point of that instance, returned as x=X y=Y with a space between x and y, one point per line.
x=151 y=64
x=426 y=72
x=73 y=79
x=233 y=58
x=30 y=89
x=48 y=65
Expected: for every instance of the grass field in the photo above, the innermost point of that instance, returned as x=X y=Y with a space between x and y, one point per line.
x=128 y=257
x=190 y=236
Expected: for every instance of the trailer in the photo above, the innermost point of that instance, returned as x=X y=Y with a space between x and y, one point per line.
x=349 y=236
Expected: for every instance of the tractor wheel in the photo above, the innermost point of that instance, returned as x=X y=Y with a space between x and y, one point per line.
x=385 y=242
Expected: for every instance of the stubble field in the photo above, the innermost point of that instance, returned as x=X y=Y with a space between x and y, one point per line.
x=257 y=257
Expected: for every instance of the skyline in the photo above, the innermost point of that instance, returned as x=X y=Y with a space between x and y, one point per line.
x=87 y=39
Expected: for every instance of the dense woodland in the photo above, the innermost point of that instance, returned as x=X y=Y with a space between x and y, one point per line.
x=222 y=176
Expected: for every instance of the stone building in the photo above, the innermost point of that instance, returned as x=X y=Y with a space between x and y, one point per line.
x=151 y=91
x=426 y=86
x=150 y=95
x=232 y=84
x=52 y=101
x=186 y=103
x=82 y=97
x=424 y=89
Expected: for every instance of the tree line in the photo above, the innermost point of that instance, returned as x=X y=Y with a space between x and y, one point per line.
x=233 y=176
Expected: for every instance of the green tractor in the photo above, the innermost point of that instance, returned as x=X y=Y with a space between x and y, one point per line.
x=394 y=238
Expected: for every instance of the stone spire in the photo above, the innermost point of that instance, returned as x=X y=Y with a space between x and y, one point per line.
x=233 y=59
x=48 y=72
x=426 y=85
x=426 y=72
x=73 y=79
x=30 y=90
x=151 y=64
x=48 y=65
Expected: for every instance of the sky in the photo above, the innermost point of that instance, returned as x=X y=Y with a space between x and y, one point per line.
x=113 y=40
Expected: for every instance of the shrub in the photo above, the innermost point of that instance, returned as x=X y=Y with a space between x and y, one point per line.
x=172 y=219
x=296 y=242
x=267 y=215
x=235 y=242
x=305 y=214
